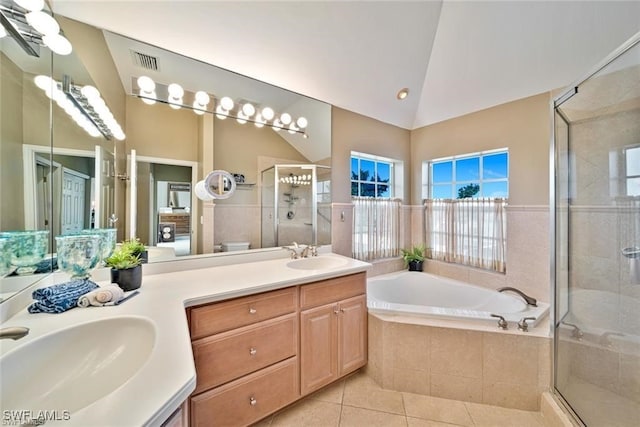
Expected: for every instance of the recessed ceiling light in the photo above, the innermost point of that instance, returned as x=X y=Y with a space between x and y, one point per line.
x=403 y=93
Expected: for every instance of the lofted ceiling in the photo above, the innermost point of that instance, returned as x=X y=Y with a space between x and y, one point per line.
x=455 y=57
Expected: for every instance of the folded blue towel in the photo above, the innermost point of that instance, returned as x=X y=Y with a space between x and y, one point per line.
x=60 y=298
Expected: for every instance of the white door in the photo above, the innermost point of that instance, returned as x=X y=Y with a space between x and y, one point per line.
x=73 y=201
x=105 y=188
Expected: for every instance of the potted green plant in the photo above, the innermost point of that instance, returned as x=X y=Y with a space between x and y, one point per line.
x=136 y=247
x=414 y=257
x=126 y=268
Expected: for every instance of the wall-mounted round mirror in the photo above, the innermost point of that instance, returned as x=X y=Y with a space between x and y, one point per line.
x=217 y=184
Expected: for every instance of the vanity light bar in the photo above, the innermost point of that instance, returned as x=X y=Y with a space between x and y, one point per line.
x=296 y=179
x=84 y=105
x=147 y=90
x=32 y=27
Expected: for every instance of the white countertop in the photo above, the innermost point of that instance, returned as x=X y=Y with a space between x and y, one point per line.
x=168 y=377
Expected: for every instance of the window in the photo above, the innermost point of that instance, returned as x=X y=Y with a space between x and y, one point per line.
x=475 y=175
x=371 y=176
x=632 y=168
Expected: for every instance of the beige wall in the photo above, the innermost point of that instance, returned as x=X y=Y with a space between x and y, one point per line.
x=354 y=132
x=522 y=126
x=11 y=135
x=91 y=48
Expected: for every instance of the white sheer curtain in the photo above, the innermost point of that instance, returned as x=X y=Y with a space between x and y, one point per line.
x=468 y=231
x=376 y=228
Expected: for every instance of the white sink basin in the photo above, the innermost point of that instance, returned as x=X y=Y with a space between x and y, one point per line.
x=317 y=263
x=74 y=367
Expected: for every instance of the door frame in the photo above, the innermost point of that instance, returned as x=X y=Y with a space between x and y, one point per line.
x=195 y=211
x=29 y=154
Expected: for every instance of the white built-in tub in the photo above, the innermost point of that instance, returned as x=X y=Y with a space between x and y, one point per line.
x=428 y=295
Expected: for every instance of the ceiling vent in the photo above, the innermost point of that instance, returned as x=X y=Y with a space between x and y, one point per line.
x=145 y=61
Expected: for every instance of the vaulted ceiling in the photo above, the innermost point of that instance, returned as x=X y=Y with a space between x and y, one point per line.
x=455 y=57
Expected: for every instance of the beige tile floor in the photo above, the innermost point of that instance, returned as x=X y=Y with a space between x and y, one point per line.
x=359 y=401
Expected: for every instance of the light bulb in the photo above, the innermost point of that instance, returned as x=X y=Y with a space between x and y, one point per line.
x=43 y=22
x=30 y=5
x=227 y=103
x=90 y=92
x=268 y=113
x=221 y=113
x=57 y=43
x=119 y=135
x=302 y=122
x=277 y=125
x=175 y=91
x=202 y=98
x=150 y=99
x=43 y=82
x=285 y=118
x=175 y=103
x=293 y=128
x=241 y=118
x=146 y=84
x=248 y=109
x=3 y=32
x=197 y=108
x=259 y=121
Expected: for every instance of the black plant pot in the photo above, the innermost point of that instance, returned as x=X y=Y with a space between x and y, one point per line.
x=128 y=279
x=415 y=265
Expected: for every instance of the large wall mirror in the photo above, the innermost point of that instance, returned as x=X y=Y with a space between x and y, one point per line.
x=57 y=177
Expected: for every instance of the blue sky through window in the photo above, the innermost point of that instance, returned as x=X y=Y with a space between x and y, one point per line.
x=488 y=171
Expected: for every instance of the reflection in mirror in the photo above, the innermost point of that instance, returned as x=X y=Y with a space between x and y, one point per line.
x=43 y=102
x=167 y=124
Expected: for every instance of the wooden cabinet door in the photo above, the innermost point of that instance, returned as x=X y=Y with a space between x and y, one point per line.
x=318 y=347
x=352 y=334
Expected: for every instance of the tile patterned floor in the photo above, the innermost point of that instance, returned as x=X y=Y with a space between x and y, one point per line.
x=358 y=401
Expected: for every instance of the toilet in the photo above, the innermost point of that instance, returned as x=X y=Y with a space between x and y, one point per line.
x=235 y=246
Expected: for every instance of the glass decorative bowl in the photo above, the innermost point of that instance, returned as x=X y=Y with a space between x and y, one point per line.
x=78 y=254
x=5 y=256
x=28 y=248
x=108 y=240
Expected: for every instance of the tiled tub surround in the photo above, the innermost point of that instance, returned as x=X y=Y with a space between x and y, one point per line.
x=503 y=368
x=166 y=290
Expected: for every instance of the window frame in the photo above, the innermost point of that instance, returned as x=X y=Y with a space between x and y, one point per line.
x=391 y=184
x=428 y=181
x=628 y=177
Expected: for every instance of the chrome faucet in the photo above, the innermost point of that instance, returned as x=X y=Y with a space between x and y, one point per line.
x=14 y=332
x=309 y=250
x=298 y=251
x=529 y=300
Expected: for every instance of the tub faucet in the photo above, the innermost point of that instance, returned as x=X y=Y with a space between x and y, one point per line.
x=523 y=325
x=576 y=332
x=502 y=323
x=529 y=300
x=14 y=332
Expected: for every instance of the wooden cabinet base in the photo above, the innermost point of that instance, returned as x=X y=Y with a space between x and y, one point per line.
x=248 y=399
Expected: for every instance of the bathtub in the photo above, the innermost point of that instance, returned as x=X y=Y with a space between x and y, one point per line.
x=428 y=295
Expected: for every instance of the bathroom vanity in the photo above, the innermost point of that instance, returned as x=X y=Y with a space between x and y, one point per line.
x=257 y=354
x=231 y=339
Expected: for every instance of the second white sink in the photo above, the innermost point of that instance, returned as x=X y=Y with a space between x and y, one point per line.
x=74 y=367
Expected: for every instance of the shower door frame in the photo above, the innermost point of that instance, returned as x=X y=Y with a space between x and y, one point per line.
x=556 y=102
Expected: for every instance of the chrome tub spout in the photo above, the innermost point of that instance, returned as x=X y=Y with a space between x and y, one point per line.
x=529 y=300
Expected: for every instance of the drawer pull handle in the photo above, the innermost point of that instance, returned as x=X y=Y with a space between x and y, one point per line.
x=252 y=351
x=252 y=311
x=253 y=401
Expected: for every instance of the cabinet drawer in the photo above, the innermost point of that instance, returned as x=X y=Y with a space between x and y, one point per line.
x=332 y=290
x=227 y=356
x=248 y=399
x=218 y=317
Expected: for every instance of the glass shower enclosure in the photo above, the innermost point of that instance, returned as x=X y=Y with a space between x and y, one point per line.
x=596 y=231
x=296 y=205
